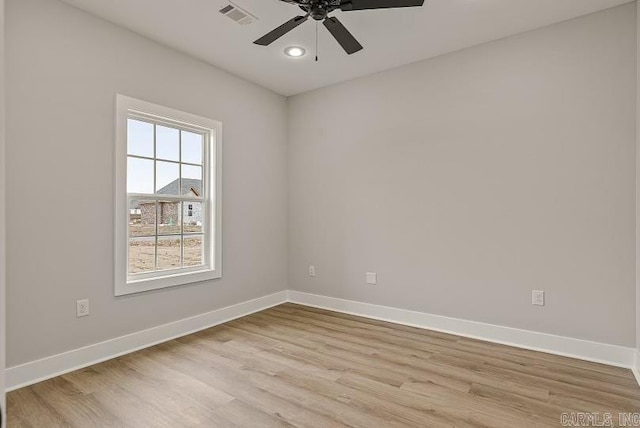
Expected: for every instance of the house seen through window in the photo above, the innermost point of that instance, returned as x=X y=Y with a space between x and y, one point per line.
x=165 y=188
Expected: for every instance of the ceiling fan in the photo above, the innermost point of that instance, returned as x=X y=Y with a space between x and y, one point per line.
x=320 y=9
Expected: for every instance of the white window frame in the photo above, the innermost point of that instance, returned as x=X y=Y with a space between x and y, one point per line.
x=127 y=107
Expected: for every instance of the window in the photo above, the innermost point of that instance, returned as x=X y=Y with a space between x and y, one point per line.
x=167 y=197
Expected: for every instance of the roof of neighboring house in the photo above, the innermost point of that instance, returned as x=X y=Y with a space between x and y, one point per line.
x=188 y=185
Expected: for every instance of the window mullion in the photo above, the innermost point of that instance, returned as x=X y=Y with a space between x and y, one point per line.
x=181 y=234
x=155 y=189
x=149 y=196
x=155 y=221
x=155 y=160
x=181 y=204
x=206 y=205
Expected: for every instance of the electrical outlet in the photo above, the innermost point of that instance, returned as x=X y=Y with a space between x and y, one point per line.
x=312 y=270
x=537 y=297
x=372 y=278
x=82 y=308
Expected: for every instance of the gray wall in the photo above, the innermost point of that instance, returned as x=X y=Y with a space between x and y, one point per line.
x=64 y=68
x=468 y=180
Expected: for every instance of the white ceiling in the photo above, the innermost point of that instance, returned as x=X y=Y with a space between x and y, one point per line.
x=391 y=37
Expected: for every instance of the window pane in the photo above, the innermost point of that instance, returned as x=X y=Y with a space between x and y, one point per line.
x=169 y=252
x=167 y=178
x=194 y=250
x=142 y=218
x=191 y=180
x=168 y=217
x=192 y=217
x=167 y=143
x=139 y=138
x=142 y=254
x=139 y=175
x=191 y=147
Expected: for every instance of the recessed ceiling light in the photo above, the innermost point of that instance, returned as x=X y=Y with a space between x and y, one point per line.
x=295 y=51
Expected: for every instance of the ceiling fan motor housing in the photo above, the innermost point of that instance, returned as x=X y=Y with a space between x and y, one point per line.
x=318 y=14
x=318 y=10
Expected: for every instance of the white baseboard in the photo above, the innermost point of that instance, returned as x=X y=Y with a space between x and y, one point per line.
x=575 y=348
x=636 y=365
x=56 y=365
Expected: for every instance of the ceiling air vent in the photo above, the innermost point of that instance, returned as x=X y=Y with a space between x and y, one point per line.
x=238 y=14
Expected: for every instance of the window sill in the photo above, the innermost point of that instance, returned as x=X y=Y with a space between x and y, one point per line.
x=170 y=280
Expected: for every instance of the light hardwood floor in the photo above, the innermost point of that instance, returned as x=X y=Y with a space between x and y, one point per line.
x=303 y=367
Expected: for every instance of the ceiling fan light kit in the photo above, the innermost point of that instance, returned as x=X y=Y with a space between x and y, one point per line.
x=295 y=51
x=319 y=11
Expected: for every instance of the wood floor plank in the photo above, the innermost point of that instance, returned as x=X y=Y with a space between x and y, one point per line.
x=294 y=366
x=238 y=413
x=113 y=381
x=77 y=408
x=29 y=410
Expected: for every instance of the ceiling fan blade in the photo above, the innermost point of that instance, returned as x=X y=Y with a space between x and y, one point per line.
x=271 y=37
x=342 y=35
x=347 y=5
